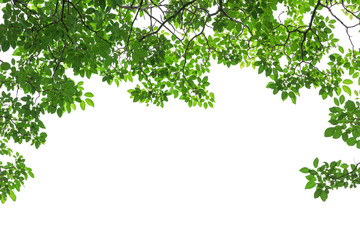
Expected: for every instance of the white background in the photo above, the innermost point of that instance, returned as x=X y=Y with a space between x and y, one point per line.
x=125 y=171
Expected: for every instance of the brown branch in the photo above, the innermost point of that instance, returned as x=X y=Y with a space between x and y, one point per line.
x=308 y=29
x=167 y=20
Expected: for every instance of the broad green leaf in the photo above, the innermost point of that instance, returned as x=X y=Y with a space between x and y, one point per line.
x=351 y=141
x=5 y=66
x=317 y=193
x=5 y=46
x=346 y=89
x=323 y=196
x=347 y=81
x=329 y=132
x=304 y=170
x=310 y=185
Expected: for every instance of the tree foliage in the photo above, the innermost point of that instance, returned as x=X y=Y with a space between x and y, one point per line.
x=167 y=46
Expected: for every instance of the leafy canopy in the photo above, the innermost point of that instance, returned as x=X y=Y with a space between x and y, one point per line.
x=167 y=46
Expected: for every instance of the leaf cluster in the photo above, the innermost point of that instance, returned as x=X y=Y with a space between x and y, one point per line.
x=166 y=48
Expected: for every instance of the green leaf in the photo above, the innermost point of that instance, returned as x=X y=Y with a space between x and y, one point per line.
x=88 y=94
x=344 y=165
x=316 y=162
x=317 y=193
x=82 y=105
x=341 y=49
x=329 y=132
x=310 y=185
x=89 y=102
x=5 y=66
x=342 y=99
x=5 y=46
x=304 y=170
x=348 y=81
x=31 y=174
x=323 y=196
x=311 y=178
x=284 y=96
x=346 y=89
x=59 y=112
x=12 y=195
x=350 y=105
x=351 y=141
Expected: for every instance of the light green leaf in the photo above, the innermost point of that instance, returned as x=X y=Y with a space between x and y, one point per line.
x=89 y=102
x=347 y=81
x=341 y=49
x=347 y=89
x=12 y=195
x=82 y=105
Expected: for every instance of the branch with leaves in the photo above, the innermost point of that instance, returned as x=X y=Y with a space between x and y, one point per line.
x=166 y=46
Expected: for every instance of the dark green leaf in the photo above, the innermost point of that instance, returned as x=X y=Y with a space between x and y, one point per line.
x=5 y=66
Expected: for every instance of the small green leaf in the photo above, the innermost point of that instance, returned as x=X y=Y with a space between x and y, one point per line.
x=31 y=174
x=344 y=165
x=348 y=81
x=341 y=49
x=304 y=170
x=311 y=178
x=205 y=105
x=88 y=94
x=89 y=102
x=82 y=105
x=346 y=89
x=316 y=162
x=59 y=112
x=310 y=185
x=12 y=195
x=342 y=99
